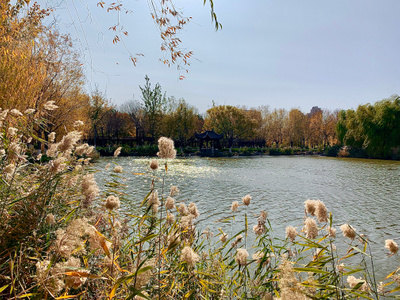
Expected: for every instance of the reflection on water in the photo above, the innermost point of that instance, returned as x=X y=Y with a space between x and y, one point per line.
x=364 y=193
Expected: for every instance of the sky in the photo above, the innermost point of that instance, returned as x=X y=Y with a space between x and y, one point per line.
x=279 y=53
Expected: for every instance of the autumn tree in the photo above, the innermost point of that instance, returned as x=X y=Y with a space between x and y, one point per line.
x=256 y=116
x=296 y=128
x=99 y=107
x=231 y=121
x=275 y=124
x=329 y=121
x=22 y=72
x=183 y=123
x=38 y=65
x=135 y=111
x=116 y=125
x=64 y=80
x=154 y=102
x=315 y=127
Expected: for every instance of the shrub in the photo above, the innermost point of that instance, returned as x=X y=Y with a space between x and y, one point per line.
x=274 y=151
x=246 y=151
x=287 y=151
x=332 y=151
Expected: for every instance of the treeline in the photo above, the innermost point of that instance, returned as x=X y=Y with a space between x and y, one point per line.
x=274 y=128
x=156 y=115
x=373 y=128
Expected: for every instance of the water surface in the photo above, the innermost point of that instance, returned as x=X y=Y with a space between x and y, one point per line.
x=363 y=193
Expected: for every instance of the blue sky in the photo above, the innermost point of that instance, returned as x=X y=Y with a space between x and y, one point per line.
x=280 y=53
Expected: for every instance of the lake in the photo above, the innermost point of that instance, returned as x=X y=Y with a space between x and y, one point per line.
x=363 y=193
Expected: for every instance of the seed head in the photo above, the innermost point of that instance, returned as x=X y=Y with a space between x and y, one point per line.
x=246 y=200
x=352 y=281
x=183 y=209
x=118 y=169
x=331 y=231
x=241 y=256
x=166 y=148
x=69 y=141
x=16 y=112
x=340 y=267
x=117 y=151
x=169 y=203
x=234 y=206
x=189 y=256
x=153 y=198
x=223 y=237
x=174 y=191
x=154 y=164
x=291 y=232
x=321 y=212
x=310 y=206
x=193 y=210
x=170 y=218
x=78 y=123
x=49 y=105
x=259 y=229
x=29 y=111
x=9 y=169
x=52 y=137
x=391 y=246
x=12 y=131
x=311 y=228
x=348 y=231
x=112 y=202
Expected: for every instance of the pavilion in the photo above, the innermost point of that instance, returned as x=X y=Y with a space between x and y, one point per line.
x=210 y=140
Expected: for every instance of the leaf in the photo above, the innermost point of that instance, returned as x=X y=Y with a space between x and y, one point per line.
x=142 y=270
x=359 y=250
x=3 y=288
x=27 y=295
x=391 y=274
x=145 y=198
x=68 y=216
x=313 y=270
x=347 y=256
x=103 y=243
x=83 y=274
x=395 y=289
x=354 y=271
x=188 y=294
x=146 y=238
x=113 y=290
x=70 y=296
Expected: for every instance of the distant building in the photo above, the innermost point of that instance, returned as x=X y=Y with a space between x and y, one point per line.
x=314 y=111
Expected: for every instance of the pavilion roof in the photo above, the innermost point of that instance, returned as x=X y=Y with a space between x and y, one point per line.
x=209 y=134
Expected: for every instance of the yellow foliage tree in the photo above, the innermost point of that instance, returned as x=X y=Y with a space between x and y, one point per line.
x=38 y=65
x=231 y=121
